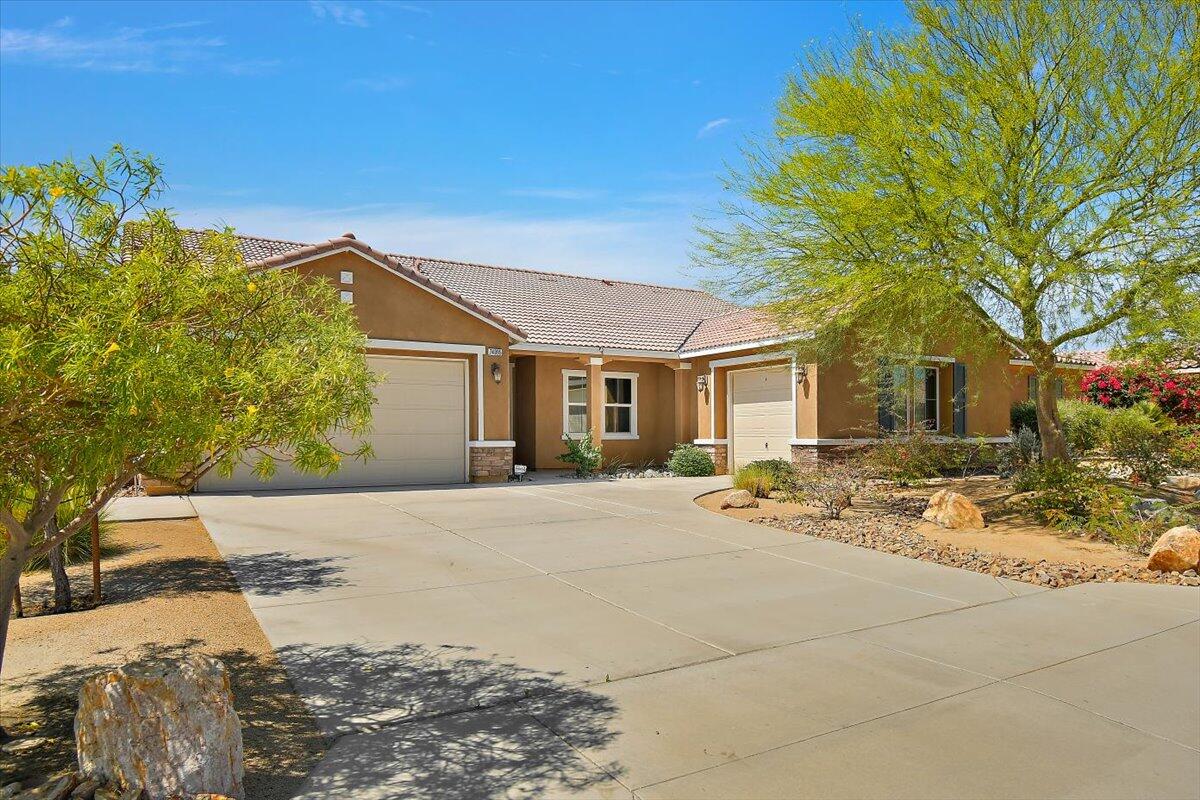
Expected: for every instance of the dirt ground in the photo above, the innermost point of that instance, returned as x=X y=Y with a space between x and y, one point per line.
x=170 y=592
x=1008 y=533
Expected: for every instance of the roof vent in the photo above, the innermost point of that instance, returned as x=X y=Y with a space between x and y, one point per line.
x=348 y=235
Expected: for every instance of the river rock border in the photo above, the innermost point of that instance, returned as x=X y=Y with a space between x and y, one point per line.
x=891 y=532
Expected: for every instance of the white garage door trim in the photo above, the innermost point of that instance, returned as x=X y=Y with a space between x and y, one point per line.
x=375 y=357
x=788 y=435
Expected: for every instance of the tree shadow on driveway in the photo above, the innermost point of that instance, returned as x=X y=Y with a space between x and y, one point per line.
x=445 y=722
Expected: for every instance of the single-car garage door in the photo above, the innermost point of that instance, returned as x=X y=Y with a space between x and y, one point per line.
x=419 y=433
x=762 y=419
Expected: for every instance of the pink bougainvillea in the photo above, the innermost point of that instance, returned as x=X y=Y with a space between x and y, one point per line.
x=1120 y=387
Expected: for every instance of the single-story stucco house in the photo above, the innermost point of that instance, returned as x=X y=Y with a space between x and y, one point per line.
x=487 y=366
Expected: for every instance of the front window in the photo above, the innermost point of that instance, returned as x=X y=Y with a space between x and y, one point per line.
x=619 y=411
x=915 y=397
x=575 y=393
x=618 y=405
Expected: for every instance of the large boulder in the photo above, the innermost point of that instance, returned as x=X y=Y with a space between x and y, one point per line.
x=739 y=499
x=952 y=510
x=1177 y=550
x=1184 y=482
x=167 y=726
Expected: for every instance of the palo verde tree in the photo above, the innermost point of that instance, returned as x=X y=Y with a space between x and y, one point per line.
x=124 y=351
x=1002 y=174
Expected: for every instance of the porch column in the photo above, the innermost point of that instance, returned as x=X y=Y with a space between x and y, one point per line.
x=683 y=399
x=595 y=379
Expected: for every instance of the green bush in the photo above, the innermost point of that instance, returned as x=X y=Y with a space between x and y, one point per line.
x=1023 y=450
x=904 y=459
x=757 y=480
x=584 y=454
x=1023 y=415
x=1083 y=425
x=1062 y=489
x=689 y=461
x=1140 y=440
x=779 y=469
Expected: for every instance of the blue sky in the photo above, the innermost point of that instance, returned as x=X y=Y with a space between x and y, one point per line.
x=583 y=138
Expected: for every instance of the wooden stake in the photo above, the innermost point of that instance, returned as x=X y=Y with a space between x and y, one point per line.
x=96 y=559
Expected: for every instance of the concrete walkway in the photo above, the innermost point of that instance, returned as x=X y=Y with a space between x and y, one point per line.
x=613 y=640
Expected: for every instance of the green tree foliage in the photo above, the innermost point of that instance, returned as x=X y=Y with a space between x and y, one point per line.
x=124 y=351
x=1004 y=174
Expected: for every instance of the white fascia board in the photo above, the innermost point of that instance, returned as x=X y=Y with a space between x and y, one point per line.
x=492 y=443
x=733 y=348
x=751 y=359
x=710 y=441
x=1024 y=362
x=399 y=274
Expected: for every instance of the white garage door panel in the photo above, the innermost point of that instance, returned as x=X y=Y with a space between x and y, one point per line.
x=762 y=415
x=419 y=433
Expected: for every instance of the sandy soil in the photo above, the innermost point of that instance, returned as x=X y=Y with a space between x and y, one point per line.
x=1007 y=533
x=170 y=592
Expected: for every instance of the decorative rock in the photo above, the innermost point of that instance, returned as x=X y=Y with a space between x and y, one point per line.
x=1150 y=506
x=58 y=788
x=86 y=789
x=167 y=726
x=739 y=499
x=952 y=510
x=1177 y=550
x=1184 y=482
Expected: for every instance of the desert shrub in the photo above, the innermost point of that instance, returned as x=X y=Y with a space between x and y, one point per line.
x=1111 y=387
x=1062 y=489
x=779 y=469
x=1142 y=440
x=1178 y=395
x=903 y=459
x=831 y=485
x=1023 y=415
x=689 y=461
x=757 y=480
x=968 y=456
x=1024 y=449
x=1185 y=449
x=584 y=454
x=1083 y=425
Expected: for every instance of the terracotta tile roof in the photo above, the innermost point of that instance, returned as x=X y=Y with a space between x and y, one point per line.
x=546 y=307
x=559 y=309
x=1097 y=357
x=745 y=325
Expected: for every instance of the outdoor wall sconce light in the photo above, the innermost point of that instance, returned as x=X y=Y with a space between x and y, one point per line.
x=701 y=383
x=801 y=373
x=495 y=372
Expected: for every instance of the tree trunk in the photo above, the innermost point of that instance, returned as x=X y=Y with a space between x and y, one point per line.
x=58 y=569
x=1054 y=441
x=10 y=574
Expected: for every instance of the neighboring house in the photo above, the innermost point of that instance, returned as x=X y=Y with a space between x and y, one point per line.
x=486 y=366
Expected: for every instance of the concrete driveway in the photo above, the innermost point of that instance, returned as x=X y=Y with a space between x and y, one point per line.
x=613 y=640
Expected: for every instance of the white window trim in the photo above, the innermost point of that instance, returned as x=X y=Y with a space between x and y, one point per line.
x=566 y=406
x=633 y=405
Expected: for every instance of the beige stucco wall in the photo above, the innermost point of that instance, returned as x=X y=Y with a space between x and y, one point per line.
x=390 y=307
x=539 y=410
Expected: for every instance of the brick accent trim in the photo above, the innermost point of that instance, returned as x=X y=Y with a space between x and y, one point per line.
x=491 y=464
x=720 y=456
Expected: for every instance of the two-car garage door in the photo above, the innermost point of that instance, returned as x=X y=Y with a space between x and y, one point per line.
x=419 y=433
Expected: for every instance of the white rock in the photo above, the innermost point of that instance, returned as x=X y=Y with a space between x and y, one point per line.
x=165 y=725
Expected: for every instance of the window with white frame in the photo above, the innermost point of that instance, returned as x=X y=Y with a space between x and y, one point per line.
x=619 y=412
x=575 y=400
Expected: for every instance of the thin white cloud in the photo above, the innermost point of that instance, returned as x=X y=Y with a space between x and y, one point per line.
x=633 y=246
x=712 y=125
x=386 y=83
x=407 y=7
x=151 y=49
x=339 y=13
x=555 y=194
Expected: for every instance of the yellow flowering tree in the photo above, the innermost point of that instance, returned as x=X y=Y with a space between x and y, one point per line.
x=124 y=351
